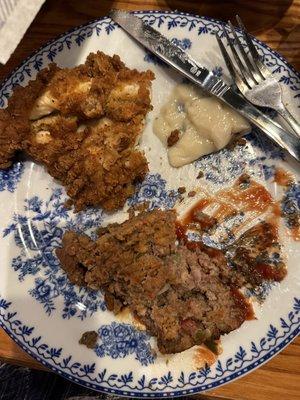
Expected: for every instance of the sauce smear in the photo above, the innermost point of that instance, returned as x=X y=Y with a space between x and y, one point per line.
x=295 y=233
x=244 y=304
x=247 y=196
x=254 y=251
x=270 y=273
x=203 y=356
x=283 y=177
x=244 y=196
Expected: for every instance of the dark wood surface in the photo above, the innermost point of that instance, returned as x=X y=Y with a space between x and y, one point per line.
x=277 y=23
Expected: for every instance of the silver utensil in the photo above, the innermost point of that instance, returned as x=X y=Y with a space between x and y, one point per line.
x=201 y=76
x=254 y=80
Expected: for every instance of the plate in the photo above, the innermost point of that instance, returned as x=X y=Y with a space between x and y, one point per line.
x=46 y=315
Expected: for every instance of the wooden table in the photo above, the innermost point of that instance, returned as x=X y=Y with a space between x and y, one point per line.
x=277 y=23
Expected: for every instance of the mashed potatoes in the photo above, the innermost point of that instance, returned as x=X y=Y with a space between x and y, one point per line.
x=205 y=124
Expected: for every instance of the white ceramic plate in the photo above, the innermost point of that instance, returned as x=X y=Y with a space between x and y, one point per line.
x=46 y=315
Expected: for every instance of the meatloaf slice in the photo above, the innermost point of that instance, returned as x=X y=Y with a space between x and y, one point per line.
x=197 y=305
x=184 y=297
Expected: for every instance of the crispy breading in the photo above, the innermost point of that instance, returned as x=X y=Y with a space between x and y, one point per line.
x=83 y=124
x=14 y=122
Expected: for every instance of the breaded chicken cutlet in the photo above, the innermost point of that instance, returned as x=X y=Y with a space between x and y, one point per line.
x=83 y=124
x=183 y=296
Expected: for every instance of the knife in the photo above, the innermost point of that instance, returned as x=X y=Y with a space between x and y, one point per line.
x=201 y=76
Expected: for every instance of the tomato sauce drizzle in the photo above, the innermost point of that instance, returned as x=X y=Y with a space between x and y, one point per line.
x=244 y=304
x=244 y=196
x=283 y=177
x=270 y=273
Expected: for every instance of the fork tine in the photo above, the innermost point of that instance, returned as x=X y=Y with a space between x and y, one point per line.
x=246 y=77
x=252 y=72
x=259 y=65
x=226 y=57
x=236 y=77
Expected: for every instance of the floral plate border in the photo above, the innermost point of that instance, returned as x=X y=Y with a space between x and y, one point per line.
x=53 y=358
x=241 y=364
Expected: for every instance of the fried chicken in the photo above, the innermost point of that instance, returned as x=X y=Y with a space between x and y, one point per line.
x=14 y=120
x=83 y=124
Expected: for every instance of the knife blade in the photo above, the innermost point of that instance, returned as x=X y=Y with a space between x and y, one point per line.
x=201 y=76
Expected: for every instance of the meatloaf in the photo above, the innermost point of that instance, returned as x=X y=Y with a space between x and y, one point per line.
x=183 y=297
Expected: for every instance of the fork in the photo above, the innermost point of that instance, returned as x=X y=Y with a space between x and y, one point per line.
x=250 y=75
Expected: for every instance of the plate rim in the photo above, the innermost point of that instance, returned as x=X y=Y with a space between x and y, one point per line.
x=158 y=394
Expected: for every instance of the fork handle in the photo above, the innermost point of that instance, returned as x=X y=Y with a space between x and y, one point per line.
x=285 y=139
x=289 y=118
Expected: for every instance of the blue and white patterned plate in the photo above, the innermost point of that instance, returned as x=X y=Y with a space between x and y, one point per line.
x=46 y=315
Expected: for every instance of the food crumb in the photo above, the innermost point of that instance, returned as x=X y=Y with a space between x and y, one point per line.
x=241 y=142
x=68 y=204
x=236 y=142
x=200 y=175
x=89 y=339
x=244 y=181
x=173 y=138
x=181 y=189
x=140 y=207
x=131 y=212
x=192 y=193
